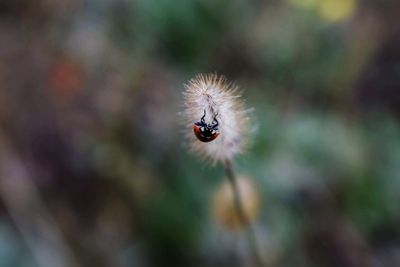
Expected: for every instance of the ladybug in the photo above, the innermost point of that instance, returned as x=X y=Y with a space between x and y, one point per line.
x=206 y=132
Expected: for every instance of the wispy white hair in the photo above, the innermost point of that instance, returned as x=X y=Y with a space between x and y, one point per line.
x=218 y=99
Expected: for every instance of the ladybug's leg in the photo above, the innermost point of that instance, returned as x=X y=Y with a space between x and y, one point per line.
x=215 y=124
x=203 y=118
x=215 y=121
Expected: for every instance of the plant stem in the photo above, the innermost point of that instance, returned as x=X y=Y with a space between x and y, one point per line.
x=250 y=233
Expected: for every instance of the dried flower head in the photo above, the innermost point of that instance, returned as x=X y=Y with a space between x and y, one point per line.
x=213 y=100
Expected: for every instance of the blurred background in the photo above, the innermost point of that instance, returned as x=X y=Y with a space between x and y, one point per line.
x=94 y=170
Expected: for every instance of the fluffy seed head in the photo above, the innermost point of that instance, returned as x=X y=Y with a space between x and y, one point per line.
x=218 y=99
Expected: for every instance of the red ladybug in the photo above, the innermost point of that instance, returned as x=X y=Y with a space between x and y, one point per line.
x=206 y=132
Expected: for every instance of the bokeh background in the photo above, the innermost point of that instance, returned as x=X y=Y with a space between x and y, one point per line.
x=94 y=170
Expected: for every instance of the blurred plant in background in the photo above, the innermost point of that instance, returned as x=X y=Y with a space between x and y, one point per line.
x=330 y=10
x=92 y=167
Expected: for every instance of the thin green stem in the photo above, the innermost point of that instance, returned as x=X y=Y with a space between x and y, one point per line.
x=250 y=232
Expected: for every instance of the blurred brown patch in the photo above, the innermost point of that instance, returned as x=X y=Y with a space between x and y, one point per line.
x=67 y=78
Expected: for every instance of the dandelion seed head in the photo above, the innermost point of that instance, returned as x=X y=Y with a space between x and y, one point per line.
x=219 y=99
